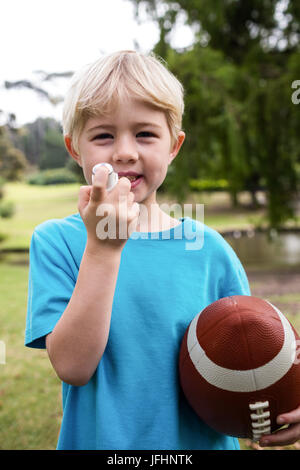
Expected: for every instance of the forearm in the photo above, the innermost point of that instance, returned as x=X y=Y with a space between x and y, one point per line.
x=78 y=340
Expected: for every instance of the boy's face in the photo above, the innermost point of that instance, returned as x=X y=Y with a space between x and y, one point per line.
x=134 y=138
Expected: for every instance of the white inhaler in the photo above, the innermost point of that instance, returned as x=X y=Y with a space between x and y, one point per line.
x=112 y=176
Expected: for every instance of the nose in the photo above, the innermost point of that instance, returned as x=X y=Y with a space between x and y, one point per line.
x=125 y=150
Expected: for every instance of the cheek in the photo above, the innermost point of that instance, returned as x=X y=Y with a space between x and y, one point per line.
x=87 y=164
x=157 y=160
x=87 y=172
x=90 y=156
x=156 y=172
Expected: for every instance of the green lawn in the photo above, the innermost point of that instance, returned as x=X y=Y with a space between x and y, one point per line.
x=33 y=205
x=30 y=402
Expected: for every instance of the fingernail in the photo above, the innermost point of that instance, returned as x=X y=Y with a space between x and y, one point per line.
x=280 y=420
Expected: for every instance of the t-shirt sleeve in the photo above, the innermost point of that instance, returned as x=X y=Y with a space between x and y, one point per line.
x=234 y=279
x=237 y=283
x=50 y=287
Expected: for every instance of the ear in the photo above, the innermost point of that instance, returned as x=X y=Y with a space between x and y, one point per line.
x=71 y=150
x=176 y=146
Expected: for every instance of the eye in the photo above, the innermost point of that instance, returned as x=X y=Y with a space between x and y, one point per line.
x=103 y=136
x=146 y=134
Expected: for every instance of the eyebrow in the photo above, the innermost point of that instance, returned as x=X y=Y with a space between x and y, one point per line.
x=112 y=127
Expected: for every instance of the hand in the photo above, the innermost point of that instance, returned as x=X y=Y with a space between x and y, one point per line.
x=286 y=436
x=109 y=217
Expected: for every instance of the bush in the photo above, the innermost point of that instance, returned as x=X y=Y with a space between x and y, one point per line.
x=53 y=176
x=2 y=182
x=208 y=185
x=7 y=209
x=3 y=236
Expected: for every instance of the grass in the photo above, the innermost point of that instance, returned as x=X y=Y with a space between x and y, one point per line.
x=30 y=403
x=30 y=392
x=35 y=204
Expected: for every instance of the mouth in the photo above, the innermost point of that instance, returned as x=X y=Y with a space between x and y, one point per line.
x=134 y=178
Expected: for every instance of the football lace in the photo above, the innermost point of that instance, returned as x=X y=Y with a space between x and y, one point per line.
x=259 y=419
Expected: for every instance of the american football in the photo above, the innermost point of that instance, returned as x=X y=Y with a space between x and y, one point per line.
x=238 y=366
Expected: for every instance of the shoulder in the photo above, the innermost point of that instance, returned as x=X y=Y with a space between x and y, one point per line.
x=214 y=249
x=62 y=239
x=224 y=262
x=212 y=240
x=69 y=223
x=217 y=241
x=58 y=229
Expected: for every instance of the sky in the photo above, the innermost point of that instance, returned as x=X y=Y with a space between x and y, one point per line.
x=64 y=35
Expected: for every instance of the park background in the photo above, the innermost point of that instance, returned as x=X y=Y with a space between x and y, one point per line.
x=239 y=63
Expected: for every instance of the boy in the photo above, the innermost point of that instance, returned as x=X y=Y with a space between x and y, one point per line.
x=112 y=309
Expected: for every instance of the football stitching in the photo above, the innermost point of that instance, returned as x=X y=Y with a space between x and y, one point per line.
x=260 y=425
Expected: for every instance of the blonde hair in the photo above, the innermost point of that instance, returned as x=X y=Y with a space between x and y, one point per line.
x=101 y=85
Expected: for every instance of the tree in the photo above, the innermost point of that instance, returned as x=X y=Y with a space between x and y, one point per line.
x=42 y=143
x=54 y=153
x=240 y=120
x=12 y=160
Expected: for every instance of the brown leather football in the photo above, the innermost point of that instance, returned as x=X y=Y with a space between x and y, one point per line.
x=239 y=367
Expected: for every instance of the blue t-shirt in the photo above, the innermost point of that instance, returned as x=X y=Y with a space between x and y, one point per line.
x=134 y=400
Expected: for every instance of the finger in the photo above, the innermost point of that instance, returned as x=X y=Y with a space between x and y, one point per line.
x=130 y=198
x=83 y=197
x=127 y=206
x=283 y=437
x=99 y=184
x=124 y=185
x=122 y=195
x=290 y=417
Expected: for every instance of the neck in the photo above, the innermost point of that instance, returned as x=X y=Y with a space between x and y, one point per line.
x=153 y=219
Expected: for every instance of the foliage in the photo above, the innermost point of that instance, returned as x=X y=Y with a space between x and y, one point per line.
x=53 y=176
x=2 y=182
x=12 y=160
x=54 y=154
x=43 y=143
x=74 y=168
x=240 y=121
x=208 y=185
x=7 y=209
x=12 y=164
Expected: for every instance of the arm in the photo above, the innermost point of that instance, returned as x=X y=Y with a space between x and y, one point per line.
x=77 y=343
